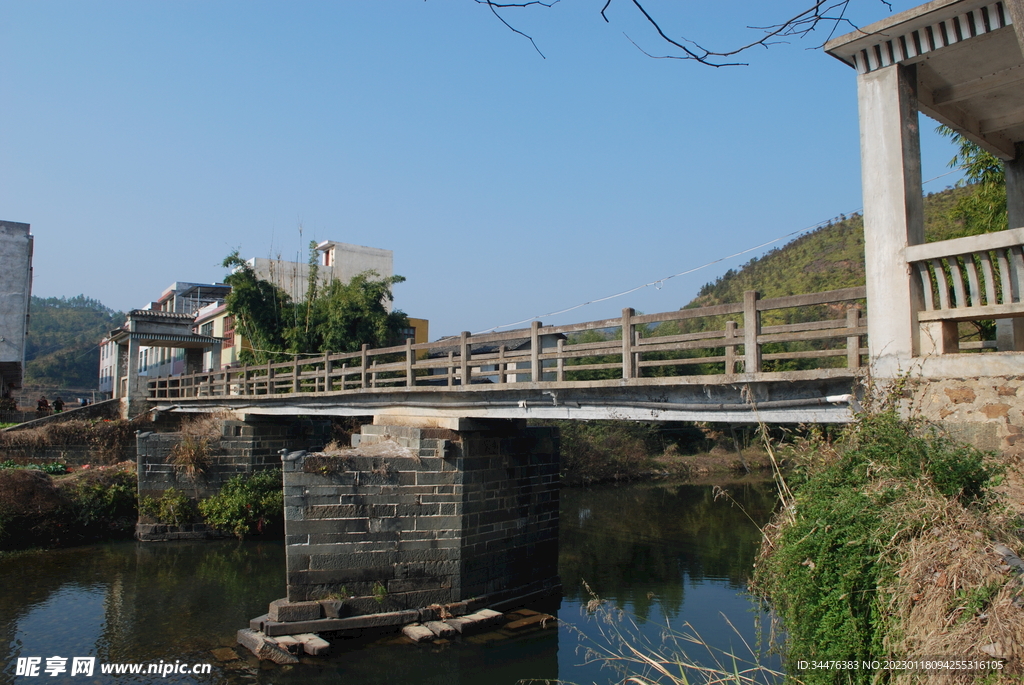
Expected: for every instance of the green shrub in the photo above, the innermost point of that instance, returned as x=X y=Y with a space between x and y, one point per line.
x=100 y=504
x=53 y=468
x=247 y=504
x=602 y=450
x=835 y=543
x=173 y=508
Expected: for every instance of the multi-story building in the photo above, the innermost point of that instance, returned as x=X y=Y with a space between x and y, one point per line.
x=15 y=296
x=337 y=261
x=206 y=302
x=180 y=298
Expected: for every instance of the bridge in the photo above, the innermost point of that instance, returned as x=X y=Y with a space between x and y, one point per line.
x=720 y=363
x=451 y=498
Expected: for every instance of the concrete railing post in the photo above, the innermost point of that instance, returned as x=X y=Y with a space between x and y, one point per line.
x=628 y=370
x=730 y=347
x=362 y=369
x=853 y=341
x=295 y=374
x=502 y=365
x=535 y=374
x=560 y=347
x=410 y=378
x=327 y=372
x=465 y=349
x=751 y=329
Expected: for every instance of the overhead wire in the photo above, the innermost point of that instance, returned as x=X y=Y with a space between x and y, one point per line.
x=661 y=281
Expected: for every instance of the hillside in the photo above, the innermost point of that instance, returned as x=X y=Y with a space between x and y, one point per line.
x=63 y=341
x=828 y=258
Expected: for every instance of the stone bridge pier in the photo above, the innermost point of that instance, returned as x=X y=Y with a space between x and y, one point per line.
x=422 y=512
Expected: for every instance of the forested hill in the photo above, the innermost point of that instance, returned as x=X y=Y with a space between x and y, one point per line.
x=829 y=258
x=63 y=340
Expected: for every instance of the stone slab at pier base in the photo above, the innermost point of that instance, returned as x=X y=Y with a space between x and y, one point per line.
x=415 y=516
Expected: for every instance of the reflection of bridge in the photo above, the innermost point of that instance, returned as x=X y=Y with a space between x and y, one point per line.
x=714 y=363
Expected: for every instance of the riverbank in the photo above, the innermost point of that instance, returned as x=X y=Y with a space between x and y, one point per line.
x=616 y=451
x=894 y=542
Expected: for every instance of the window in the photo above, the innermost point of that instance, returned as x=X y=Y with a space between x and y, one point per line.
x=206 y=329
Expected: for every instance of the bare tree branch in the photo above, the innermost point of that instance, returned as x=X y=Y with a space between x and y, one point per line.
x=495 y=6
x=830 y=13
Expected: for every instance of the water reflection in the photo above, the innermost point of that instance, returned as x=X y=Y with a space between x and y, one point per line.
x=661 y=552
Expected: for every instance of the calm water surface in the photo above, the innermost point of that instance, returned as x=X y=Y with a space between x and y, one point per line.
x=663 y=553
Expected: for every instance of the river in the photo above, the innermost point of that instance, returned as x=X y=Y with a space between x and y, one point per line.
x=661 y=552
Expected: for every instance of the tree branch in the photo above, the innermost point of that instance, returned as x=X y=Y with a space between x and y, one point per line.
x=822 y=12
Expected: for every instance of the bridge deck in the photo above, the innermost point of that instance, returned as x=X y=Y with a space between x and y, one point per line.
x=689 y=364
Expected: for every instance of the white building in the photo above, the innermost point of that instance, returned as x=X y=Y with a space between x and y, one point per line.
x=15 y=295
x=339 y=261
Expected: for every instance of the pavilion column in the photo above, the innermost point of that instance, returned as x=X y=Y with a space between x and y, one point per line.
x=893 y=212
x=120 y=369
x=1010 y=332
x=133 y=369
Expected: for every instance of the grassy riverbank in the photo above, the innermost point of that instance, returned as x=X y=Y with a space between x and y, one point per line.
x=890 y=544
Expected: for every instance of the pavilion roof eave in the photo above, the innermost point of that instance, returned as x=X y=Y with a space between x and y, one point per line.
x=970 y=65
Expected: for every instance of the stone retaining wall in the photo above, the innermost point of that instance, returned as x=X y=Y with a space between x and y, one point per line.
x=411 y=517
x=243 y=447
x=72 y=455
x=986 y=412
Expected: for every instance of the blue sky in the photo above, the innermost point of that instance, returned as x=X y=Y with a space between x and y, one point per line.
x=146 y=140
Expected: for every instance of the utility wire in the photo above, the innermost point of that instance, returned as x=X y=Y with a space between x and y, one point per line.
x=661 y=281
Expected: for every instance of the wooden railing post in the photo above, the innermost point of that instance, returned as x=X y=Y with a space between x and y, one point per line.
x=295 y=374
x=373 y=374
x=560 y=362
x=628 y=370
x=853 y=341
x=751 y=329
x=363 y=371
x=535 y=374
x=464 y=352
x=730 y=347
x=410 y=378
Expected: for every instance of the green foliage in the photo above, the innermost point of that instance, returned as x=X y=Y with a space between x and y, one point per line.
x=984 y=209
x=380 y=593
x=835 y=549
x=61 y=349
x=54 y=468
x=102 y=503
x=336 y=317
x=173 y=508
x=246 y=504
x=603 y=450
x=260 y=309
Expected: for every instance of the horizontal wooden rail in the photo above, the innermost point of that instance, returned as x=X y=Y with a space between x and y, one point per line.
x=677 y=343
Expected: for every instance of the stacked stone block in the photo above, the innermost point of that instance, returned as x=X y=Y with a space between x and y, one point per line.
x=244 y=447
x=417 y=516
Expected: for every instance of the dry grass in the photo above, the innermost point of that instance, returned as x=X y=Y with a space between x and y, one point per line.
x=191 y=456
x=106 y=439
x=677 y=656
x=955 y=596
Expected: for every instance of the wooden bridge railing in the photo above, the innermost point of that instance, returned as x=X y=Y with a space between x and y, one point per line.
x=683 y=342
